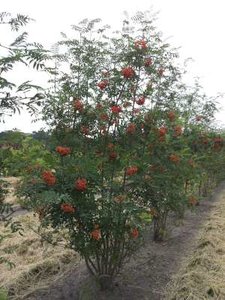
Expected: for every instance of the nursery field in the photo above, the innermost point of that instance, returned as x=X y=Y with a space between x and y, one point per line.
x=188 y=264
x=122 y=195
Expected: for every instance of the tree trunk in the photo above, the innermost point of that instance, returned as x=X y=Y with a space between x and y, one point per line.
x=160 y=227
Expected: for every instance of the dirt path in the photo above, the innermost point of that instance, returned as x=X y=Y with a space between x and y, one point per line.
x=147 y=274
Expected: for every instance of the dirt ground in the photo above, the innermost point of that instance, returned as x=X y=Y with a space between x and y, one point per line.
x=148 y=273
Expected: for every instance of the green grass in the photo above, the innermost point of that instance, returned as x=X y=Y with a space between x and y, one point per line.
x=3 y=294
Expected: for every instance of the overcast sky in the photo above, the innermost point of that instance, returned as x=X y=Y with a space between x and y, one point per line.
x=197 y=26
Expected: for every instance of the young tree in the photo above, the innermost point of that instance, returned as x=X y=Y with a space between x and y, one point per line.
x=99 y=112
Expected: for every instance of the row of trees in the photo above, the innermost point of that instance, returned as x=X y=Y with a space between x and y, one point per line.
x=130 y=143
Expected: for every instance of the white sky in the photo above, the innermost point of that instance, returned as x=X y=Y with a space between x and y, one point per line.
x=197 y=26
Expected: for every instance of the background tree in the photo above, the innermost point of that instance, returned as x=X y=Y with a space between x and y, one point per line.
x=13 y=97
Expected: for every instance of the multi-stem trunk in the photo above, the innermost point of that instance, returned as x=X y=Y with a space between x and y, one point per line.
x=107 y=260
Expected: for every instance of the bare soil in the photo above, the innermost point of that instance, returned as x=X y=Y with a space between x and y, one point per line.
x=146 y=276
